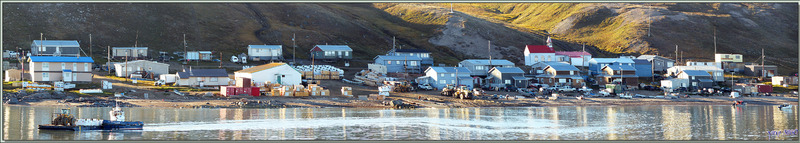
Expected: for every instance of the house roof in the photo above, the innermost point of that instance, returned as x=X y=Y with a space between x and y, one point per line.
x=60 y=43
x=623 y=67
x=562 y=67
x=398 y=58
x=203 y=73
x=696 y=73
x=560 y=76
x=448 y=69
x=260 y=68
x=520 y=78
x=144 y=61
x=486 y=62
x=61 y=59
x=507 y=70
x=129 y=48
x=573 y=54
x=704 y=68
x=706 y=80
x=640 y=61
x=334 y=47
x=612 y=60
x=651 y=57
x=204 y=52
x=411 y=51
x=539 y=49
x=265 y=46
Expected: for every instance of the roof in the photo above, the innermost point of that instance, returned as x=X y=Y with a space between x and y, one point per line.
x=508 y=70
x=704 y=68
x=129 y=48
x=696 y=73
x=766 y=66
x=539 y=49
x=411 y=51
x=60 y=43
x=260 y=68
x=651 y=57
x=640 y=61
x=623 y=67
x=706 y=80
x=486 y=62
x=449 y=69
x=573 y=54
x=562 y=67
x=334 y=47
x=612 y=60
x=203 y=73
x=562 y=76
x=204 y=52
x=265 y=46
x=138 y=61
x=520 y=78
x=400 y=58
x=61 y=59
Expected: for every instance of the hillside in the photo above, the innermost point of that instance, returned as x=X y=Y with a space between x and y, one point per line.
x=606 y=28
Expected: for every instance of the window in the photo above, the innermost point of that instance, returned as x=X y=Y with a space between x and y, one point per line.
x=479 y=67
x=452 y=75
x=727 y=56
x=213 y=79
x=86 y=66
x=443 y=82
x=535 y=58
x=441 y=74
x=45 y=66
x=346 y=53
x=571 y=73
x=330 y=53
x=508 y=81
x=63 y=66
x=412 y=54
x=45 y=76
x=388 y=62
x=74 y=66
x=413 y=63
x=737 y=56
x=453 y=82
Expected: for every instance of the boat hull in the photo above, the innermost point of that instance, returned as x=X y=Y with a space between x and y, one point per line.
x=69 y=128
x=107 y=125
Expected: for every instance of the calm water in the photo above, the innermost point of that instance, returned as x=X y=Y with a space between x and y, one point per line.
x=534 y=123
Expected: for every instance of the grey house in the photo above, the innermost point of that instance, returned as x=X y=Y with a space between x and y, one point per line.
x=501 y=76
x=130 y=52
x=442 y=76
x=660 y=64
x=331 y=52
x=697 y=79
x=425 y=55
x=480 y=67
x=395 y=64
x=67 y=48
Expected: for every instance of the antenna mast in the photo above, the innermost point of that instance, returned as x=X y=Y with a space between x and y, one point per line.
x=490 y=53
x=294 y=49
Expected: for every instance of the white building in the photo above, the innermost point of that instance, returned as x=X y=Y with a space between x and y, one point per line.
x=716 y=73
x=538 y=53
x=719 y=58
x=714 y=64
x=280 y=73
x=265 y=52
x=141 y=65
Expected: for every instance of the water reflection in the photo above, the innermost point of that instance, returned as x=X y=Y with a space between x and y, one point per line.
x=538 y=123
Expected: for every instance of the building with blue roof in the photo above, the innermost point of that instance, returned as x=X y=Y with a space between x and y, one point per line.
x=395 y=64
x=425 y=55
x=480 y=67
x=643 y=67
x=67 y=69
x=697 y=78
x=596 y=64
x=55 y=48
x=442 y=76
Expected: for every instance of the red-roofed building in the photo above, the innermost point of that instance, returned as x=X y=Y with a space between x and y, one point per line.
x=538 y=53
x=575 y=58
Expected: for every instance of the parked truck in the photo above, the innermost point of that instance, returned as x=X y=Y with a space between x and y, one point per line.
x=166 y=79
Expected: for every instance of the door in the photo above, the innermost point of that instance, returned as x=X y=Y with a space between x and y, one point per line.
x=74 y=76
x=67 y=76
x=278 y=79
x=45 y=76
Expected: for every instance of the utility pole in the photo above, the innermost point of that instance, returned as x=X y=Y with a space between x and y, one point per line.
x=294 y=49
x=490 y=53
x=451 y=7
x=763 y=73
x=41 y=42
x=90 y=45
x=312 y=65
x=126 y=66
x=185 y=55
x=715 y=42
x=108 y=57
x=676 y=55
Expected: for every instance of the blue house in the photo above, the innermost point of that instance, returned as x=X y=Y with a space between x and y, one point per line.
x=425 y=55
x=442 y=76
x=395 y=64
x=643 y=68
x=596 y=64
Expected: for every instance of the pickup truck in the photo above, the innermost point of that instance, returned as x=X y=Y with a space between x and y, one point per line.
x=425 y=86
x=625 y=96
x=585 y=89
x=603 y=93
x=566 y=89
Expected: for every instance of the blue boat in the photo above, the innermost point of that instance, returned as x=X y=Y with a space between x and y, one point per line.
x=65 y=121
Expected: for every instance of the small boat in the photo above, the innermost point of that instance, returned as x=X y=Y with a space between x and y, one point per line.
x=739 y=103
x=785 y=107
x=65 y=121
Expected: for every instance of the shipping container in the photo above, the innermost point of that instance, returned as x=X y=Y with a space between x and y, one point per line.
x=762 y=88
x=243 y=82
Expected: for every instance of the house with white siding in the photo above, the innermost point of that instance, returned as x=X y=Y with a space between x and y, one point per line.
x=265 y=52
x=67 y=69
x=575 y=58
x=202 y=77
x=538 y=53
x=442 y=76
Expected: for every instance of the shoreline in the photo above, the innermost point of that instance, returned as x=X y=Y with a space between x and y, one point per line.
x=350 y=102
